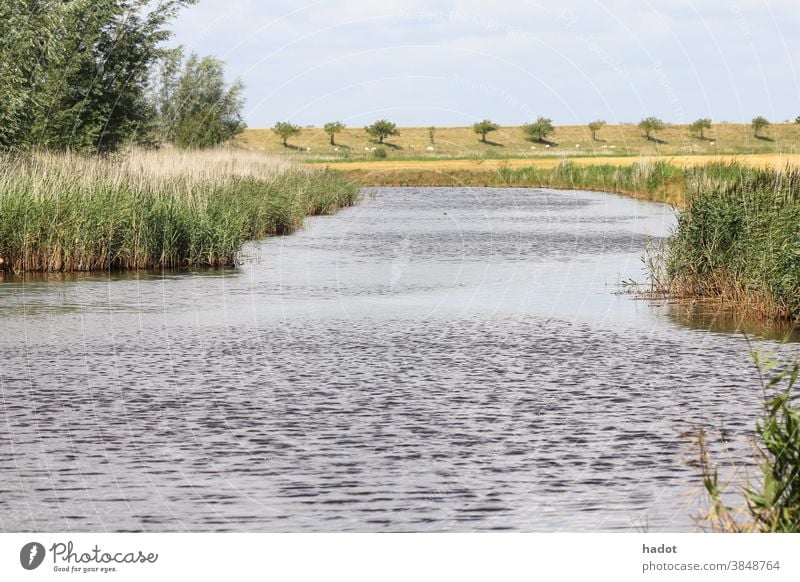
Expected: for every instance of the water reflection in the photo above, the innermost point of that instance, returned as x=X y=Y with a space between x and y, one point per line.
x=719 y=318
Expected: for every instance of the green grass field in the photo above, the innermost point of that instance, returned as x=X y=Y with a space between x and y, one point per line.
x=509 y=142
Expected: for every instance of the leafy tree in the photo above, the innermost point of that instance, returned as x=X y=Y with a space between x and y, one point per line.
x=285 y=130
x=27 y=44
x=166 y=82
x=381 y=129
x=432 y=133
x=759 y=123
x=484 y=127
x=195 y=107
x=700 y=126
x=596 y=126
x=649 y=125
x=333 y=128
x=76 y=75
x=797 y=120
x=539 y=129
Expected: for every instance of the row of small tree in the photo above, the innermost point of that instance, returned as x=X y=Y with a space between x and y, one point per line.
x=650 y=125
x=378 y=131
x=543 y=127
x=537 y=131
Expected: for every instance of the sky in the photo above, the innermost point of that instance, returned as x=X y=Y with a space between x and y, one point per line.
x=454 y=62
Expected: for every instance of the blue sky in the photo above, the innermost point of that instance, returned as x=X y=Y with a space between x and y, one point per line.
x=453 y=62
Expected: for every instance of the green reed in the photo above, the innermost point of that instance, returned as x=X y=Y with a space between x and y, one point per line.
x=771 y=503
x=77 y=214
x=738 y=239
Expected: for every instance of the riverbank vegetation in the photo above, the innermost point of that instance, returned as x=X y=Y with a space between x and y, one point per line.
x=152 y=209
x=659 y=181
x=738 y=239
x=771 y=503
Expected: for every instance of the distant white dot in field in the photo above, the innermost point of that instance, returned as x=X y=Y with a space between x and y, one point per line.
x=336 y=149
x=577 y=145
x=429 y=148
x=373 y=149
x=308 y=149
x=605 y=147
x=533 y=147
x=547 y=146
x=713 y=142
x=366 y=149
x=613 y=147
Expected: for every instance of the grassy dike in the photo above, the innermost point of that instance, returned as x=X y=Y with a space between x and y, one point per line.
x=148 y=210
x=738 y=234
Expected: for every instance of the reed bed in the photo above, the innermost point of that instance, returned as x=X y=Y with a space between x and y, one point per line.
x=657 y=180
x=738 y=239
x=152 y=209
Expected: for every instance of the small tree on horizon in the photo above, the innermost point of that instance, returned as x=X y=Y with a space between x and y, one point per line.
x=484 y=127
x=381 y=129
x=332 y=128
x=758 y=124
x=285 y=130
x=432 y=134
x=797 y=120
x=649 y=125
x=700 y=126
x=596 y=126
x=539 y=129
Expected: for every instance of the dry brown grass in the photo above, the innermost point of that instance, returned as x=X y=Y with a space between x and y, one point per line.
x=153 y=166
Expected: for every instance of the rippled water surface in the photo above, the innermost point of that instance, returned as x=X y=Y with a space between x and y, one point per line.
x=430 y=360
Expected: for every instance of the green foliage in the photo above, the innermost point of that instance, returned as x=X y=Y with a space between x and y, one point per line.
x=75 y=74
x=380 y=153
x=699 y=127
x=738 y=238
x=381 y=129
x=195 y=108
x=649 y=125
x=484 y=127
x=285 y=130
x=759 y=123
x=539 y=129
x=773 y=505
x=332 y=128
x=596 y=126
x=797 y=120
x=28 y=43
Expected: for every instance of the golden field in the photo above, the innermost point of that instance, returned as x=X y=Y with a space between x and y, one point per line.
x=444 y=165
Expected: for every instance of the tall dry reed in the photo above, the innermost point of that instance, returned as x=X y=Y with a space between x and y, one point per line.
x=159 y=209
